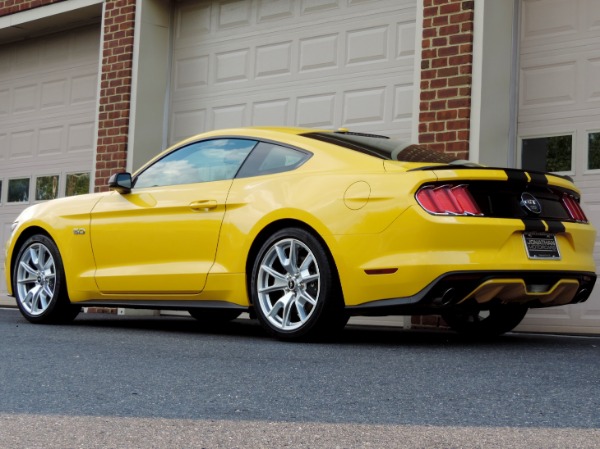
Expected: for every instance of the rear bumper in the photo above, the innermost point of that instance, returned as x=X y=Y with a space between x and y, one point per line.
x=484 y=289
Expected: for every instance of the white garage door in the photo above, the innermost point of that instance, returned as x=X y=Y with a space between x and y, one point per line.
x=47 y=113
x=559 y=119
x=315 y=63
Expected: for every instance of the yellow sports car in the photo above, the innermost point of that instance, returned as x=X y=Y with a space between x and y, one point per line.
x=304 y=228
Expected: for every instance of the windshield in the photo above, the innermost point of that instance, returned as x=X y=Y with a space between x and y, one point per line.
x=385 y=148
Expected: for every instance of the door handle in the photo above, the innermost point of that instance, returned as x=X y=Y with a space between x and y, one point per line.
x=204 y=205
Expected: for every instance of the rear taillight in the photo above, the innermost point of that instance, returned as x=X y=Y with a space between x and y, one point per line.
x=574 y=209
x=448 y=200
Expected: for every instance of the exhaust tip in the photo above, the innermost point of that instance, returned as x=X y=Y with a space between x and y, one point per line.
x=582 y=295
x=447 y=298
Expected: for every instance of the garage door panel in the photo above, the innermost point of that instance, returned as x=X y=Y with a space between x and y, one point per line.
x=276 y=65
x=305 y=58
x=559 y=92
x=48 y=89
x=365 y=104
x=592 y=80
x=557 y=24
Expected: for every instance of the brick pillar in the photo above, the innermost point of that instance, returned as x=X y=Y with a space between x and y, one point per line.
x=446 y=76
x=115 y=90
x=446 y=67
x=13 y=6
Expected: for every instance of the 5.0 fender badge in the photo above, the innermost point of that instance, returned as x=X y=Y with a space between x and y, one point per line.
x=530 y=203
x=78 y=231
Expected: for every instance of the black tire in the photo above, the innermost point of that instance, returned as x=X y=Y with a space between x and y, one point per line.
x=487 y=323
x=211 y=317
x=39 y=283
x=294 y=289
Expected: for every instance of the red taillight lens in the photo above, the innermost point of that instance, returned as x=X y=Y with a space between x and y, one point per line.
x=448 y=200
x=574 y=209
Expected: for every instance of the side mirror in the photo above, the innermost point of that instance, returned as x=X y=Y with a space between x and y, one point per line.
x=121 y=182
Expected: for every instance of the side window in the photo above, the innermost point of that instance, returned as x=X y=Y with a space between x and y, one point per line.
x=270 y=158
x=209 y=160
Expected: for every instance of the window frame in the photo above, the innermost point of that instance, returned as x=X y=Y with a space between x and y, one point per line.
x=308 y=155
x=153 y=162
x=586 y=162
x=35 y=186
x=542 y=135
x=28 y=201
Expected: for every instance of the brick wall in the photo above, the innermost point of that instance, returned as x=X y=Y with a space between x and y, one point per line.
x=446 y=67
x=446 y=75
x=13 y=6
x=115 y=90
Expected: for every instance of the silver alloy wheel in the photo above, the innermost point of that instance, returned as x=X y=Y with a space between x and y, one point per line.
x=36 y=279
x=288 y=284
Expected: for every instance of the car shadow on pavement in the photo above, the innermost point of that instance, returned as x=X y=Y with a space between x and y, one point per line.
x=355 y=335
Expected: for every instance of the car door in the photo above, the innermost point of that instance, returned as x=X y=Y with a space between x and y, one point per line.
x=161 y=238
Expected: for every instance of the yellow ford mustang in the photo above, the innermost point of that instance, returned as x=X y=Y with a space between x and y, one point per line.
x=303 y=228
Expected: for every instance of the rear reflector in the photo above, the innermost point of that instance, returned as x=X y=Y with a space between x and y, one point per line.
x=448 y=200
x=574 y=209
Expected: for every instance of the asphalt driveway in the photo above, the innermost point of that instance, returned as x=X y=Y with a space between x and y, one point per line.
x=110 y=381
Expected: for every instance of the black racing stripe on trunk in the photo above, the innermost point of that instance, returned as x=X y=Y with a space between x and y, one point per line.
x=538 y=178
x=555 y=227
x=516 y=176
x=533 y=225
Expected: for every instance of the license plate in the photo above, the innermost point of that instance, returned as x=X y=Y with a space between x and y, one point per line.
x=540 y=245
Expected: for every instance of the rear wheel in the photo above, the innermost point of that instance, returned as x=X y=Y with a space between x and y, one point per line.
x=39 y=283
x=295 y=291
x=486 y=323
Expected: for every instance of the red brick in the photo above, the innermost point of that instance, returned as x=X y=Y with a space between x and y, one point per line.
x=447 y=93
x=448 y=72
x=464 y=113
x=440 y=20
x=462 y=17
x=449 y=30
x=439 y=42
x=427 y=116
x=450 y=8
x=436 y=126
x=438 y=83
x=445 y=137
x=428 y=54
x=458 y=103
x=448 y=51
x=426 y=137
x=460 y=60
x=429 y=32
x=428 y=95
x=460 y=38
x=457 y=125
x=437 y=105
x=446 y=115
x=459 y=80
x=431 y=11
x=439 y=62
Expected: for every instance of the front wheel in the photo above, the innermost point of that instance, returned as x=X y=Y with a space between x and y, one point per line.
x=486 y=323
x=294 y=288
x=39 y=283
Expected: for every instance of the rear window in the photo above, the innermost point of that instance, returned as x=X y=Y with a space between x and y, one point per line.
x=383 y=147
